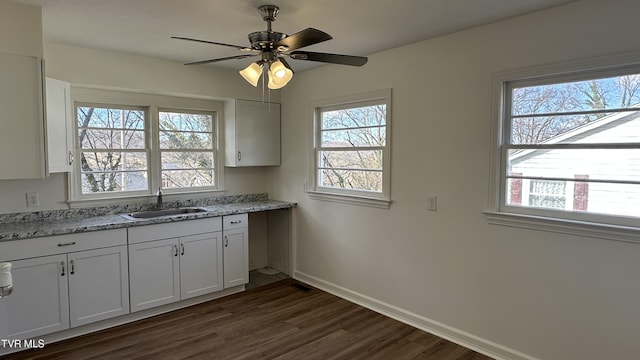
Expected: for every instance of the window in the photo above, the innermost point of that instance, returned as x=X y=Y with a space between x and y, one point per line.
x=187 y=150
x=131 y=144
x=113 y=150
x=351 y=149
x=568 y=146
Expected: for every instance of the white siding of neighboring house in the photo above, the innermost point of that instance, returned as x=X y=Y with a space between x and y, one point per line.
x=619 y=164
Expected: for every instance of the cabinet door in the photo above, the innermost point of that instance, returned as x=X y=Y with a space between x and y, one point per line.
x=59 y=126
x=154 y=273
x=39 y=303
x=236 y=257
x=22 y=140
x=257 y=133
x=98 y=284
x=200 y=264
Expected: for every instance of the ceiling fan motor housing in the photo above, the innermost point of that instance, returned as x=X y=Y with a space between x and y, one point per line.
x=263 y=40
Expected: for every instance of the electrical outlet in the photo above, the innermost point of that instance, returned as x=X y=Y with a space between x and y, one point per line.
x=33 y=199
x=432 y=203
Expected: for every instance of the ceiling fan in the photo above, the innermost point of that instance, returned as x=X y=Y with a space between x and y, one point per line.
x=273 y=47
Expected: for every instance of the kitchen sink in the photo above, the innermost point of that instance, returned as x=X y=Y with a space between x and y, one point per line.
x=151 y=214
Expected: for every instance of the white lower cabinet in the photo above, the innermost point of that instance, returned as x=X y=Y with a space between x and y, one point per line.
x=39 y=303
x=67 y=289
x=174 y=261
x=236 y=250
x=98 y=284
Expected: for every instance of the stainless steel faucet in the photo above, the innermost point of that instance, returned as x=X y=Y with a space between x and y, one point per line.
x=159 y=204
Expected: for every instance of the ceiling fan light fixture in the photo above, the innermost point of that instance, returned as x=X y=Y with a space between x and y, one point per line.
x=279 y=75
x=252 y=73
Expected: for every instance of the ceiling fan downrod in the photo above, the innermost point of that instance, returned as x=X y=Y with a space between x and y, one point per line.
x=269 y=13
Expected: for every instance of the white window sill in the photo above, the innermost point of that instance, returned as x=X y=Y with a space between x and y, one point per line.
x=350 y=199
x=562 y=226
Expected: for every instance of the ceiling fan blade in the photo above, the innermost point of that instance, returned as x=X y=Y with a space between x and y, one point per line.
x=306 y=37
x=241 y=48
x=329 y=58
x=220 y=59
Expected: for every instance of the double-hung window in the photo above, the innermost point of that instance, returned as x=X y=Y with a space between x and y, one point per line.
x=114 y=155
x=131 y=144
x=351 y=161
x=568 y=146
x=187 y=149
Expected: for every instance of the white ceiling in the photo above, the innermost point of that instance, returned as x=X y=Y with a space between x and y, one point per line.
x=358 y=27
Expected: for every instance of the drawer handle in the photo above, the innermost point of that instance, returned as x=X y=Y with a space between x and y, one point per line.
x=67 y=244
x=236 y=222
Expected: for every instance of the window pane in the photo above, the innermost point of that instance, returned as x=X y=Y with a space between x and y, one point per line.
x=587 y=128
x=586 y=95
x=363 y=137
x=187 y=178
x=351 y=179
x=101 y=182
x=595 y=198
x=113 y=161
x=186 y=160
x=111 y=139
x=175 y=121
x=355 y=117
x=185 y=140
x=369 y=159
x=117 y=118
x=597 y=164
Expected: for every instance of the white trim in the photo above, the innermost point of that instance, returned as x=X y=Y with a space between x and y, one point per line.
x=444 y=331
x=565 y=226
x=152 y=104
x=350 y=199
x=581 y=224
x=350 y=196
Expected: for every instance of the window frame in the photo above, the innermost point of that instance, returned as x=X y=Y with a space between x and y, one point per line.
x=611 y=227
x=350 y=196
x=213 y=150
x=153 y=105
x=78 y=150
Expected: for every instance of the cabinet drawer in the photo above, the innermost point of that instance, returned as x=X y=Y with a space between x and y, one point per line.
x=235 y=221
x=170 y=230
x=60 y=244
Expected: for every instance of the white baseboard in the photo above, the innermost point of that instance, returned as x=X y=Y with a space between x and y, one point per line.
x=444 y=331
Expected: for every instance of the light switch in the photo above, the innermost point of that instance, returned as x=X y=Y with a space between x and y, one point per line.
x=432 y=203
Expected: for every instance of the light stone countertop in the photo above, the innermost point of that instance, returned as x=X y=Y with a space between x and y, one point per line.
x=29 y=225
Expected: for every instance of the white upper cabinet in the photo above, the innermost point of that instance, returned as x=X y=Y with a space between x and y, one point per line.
x=59 y=126
x=252 y=133
x=22 y=140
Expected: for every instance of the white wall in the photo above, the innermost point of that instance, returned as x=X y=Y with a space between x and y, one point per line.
x=519 y=293
x=108 y=69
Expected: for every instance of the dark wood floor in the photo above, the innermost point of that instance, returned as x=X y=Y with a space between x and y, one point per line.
x=276 y=321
